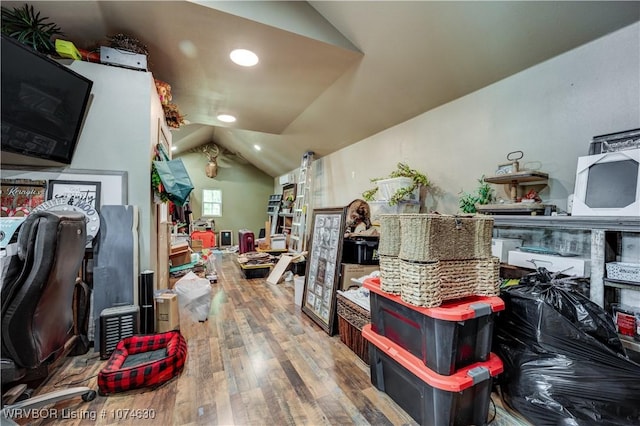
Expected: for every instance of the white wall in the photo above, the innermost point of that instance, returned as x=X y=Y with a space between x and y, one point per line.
x=550 y=111
x=119 y=132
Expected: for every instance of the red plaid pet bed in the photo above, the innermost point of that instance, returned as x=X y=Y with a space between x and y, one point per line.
x=143 y=361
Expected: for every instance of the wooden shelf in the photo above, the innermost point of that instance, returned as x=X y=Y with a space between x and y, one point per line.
x=626 y=285
x=587 y=223
x=518 y=179
x=530 y=177
x=515 y=208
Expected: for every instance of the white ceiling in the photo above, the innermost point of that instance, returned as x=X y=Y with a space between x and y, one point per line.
x=331 y=73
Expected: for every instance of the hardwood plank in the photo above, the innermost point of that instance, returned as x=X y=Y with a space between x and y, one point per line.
x=256 y=360
x=223 y=409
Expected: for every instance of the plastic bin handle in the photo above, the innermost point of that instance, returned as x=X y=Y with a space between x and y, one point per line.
x=481 y=309
x=479 y=374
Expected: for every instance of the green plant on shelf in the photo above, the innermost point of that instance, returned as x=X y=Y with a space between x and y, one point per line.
x=419 y=179
x=483 y=195
x=25 y=25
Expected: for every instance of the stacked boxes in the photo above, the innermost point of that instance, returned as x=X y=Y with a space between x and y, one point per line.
x=430 y=398
x=446 y=338
x=435 y=363
x=432 y=315
x=430 y=258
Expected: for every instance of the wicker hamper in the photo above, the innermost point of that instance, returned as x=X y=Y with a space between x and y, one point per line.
x=351 y=318
x=429 y=284
x=390 y=274
x=430 y=237
x=389 y=244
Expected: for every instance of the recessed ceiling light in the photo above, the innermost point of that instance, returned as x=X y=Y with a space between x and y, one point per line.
x=243 y=57
x=174 y=148
x=226 y=118
x=257 y=147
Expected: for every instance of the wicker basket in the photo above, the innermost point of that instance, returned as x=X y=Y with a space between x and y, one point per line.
x=430 y=237
x=351 y=318
x=429 y=284
x=389 y=244
x=390 y=274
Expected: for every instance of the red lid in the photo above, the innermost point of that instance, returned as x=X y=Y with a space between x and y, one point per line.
x=462 y=379
x=450 y=310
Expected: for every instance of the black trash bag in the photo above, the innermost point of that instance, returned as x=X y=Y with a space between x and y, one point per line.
x=564 y=363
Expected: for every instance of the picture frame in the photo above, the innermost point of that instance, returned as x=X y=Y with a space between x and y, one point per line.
x=505 y=169
x=162 y=138
x=20 y=196
x=114 y=184
x=86 y=191
x=323 y=267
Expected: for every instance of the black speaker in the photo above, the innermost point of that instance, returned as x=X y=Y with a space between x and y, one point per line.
x=145 y=301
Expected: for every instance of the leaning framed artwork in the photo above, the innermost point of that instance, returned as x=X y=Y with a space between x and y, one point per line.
x=325 y=253
x=88 y=192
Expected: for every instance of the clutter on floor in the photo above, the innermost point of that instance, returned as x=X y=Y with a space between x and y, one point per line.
x=194 y=296
x=564 y=361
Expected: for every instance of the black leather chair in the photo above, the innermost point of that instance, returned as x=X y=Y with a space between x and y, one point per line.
x=37 y=299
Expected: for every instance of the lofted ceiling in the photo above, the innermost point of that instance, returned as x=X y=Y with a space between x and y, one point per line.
x=331 y=73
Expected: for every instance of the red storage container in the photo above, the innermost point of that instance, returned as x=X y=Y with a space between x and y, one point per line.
x=430 y=398
x=446 y=338
x=245 y=241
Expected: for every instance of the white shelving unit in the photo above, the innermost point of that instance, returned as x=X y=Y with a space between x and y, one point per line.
x=600 y=238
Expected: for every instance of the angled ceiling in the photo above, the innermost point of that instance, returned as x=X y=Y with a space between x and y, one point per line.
x=331 y=73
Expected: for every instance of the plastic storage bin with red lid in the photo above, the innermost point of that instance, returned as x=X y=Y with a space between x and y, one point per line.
x=446 y=338
x=430 y=398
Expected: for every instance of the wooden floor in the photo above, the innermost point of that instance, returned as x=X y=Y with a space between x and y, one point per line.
x=258 y=360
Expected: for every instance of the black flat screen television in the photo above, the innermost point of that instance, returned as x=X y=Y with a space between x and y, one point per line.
x=43 y=105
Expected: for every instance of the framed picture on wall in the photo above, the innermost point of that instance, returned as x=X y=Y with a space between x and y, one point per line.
x=87 y=192
x=20 y=196
x=323 y=267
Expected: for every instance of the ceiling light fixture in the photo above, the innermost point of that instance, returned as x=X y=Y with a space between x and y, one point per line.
x=257 y=147
x=174 y=148
x=226 y=118
x=244 y=57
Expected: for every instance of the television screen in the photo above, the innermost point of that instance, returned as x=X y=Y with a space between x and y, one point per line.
x=612 y=185
x=43 y=104
x=608 y=184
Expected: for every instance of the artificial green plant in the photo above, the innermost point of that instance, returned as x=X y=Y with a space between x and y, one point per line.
x=483 y=195
x=402 y=170
x=25 y=25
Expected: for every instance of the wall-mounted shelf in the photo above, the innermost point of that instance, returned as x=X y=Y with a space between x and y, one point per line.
x=525 y=177
x=515 y=181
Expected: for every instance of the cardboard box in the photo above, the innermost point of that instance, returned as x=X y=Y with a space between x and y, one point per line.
x=179 y=248
x=352 y=270
x=167 y=313
x=180 y=254
x=500 y=247
x=196 y=245
x=180 y=259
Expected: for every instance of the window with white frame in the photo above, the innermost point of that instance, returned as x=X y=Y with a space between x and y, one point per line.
x=212 y=202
